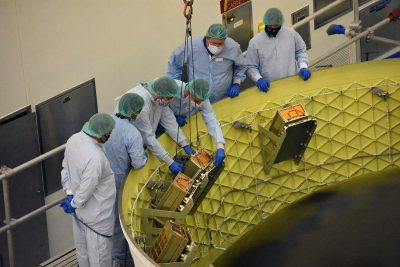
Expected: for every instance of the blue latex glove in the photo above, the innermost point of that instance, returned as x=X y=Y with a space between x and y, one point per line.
x=63 y=203
x=263 y=84
x=66 y=204
x=336 y=29
x=69 y=198
x=233 y=91
x=181 y=120
x=176 y=168
x=219 y=157
x=188 y=150
x=305 y=73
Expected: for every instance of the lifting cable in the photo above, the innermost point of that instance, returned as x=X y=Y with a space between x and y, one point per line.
x=187 y=13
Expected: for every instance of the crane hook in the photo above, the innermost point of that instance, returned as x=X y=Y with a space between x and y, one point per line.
x=188 y=9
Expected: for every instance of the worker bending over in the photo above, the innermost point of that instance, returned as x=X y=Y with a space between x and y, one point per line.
x=157 y=95
x=193 y=98
x=124 y=150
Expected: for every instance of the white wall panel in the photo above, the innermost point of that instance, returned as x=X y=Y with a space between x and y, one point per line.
x=12 y=84
x=49 y=46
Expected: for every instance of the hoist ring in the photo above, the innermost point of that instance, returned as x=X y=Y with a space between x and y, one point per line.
x=185 y=10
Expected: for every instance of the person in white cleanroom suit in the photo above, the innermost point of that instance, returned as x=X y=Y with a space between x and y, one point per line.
x=88 y=181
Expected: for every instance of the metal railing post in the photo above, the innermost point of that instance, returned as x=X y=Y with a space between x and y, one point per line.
x=357 y=23
x=30 y=215
x=7 y=214
x=6 y=173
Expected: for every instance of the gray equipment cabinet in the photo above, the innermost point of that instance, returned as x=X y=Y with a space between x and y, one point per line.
x=238 y=19
x=58 y=119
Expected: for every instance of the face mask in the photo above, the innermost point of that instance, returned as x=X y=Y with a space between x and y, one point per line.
x=215 y=50
x=163 y=102
x=272 y=32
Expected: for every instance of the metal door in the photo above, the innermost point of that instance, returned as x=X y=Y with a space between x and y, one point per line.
x=239 y=22
x=18 y=144
x=58 y=119
x=304 y=30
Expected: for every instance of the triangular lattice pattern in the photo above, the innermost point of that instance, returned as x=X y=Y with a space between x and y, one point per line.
x=357 y=132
